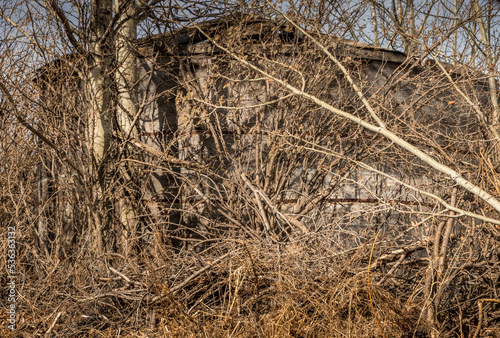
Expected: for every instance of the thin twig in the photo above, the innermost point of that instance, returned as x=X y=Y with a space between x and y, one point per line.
x=53 y=323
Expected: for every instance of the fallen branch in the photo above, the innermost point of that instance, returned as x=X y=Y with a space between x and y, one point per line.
x=125 y=278
x=402 y=252
x=288 y=219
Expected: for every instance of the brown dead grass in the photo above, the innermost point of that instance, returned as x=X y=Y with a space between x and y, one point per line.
x=303 y=288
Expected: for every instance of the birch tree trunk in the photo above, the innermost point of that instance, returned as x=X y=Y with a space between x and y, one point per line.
x=99 y=90
x=126 y=110
x=126 y=73
x=490 y=64
x=99 y=82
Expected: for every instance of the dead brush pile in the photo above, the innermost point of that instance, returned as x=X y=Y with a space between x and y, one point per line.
x=306 y=287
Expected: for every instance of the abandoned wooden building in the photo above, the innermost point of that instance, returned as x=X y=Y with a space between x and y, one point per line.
x=267 y=150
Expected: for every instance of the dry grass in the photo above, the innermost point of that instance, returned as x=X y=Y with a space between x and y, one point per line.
x=303 y=288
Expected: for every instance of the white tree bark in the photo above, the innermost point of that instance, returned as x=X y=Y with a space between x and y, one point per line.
x=491 y=66
x=126 y=72
x=126 y=110
x=99 y=81
x=100 y=113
